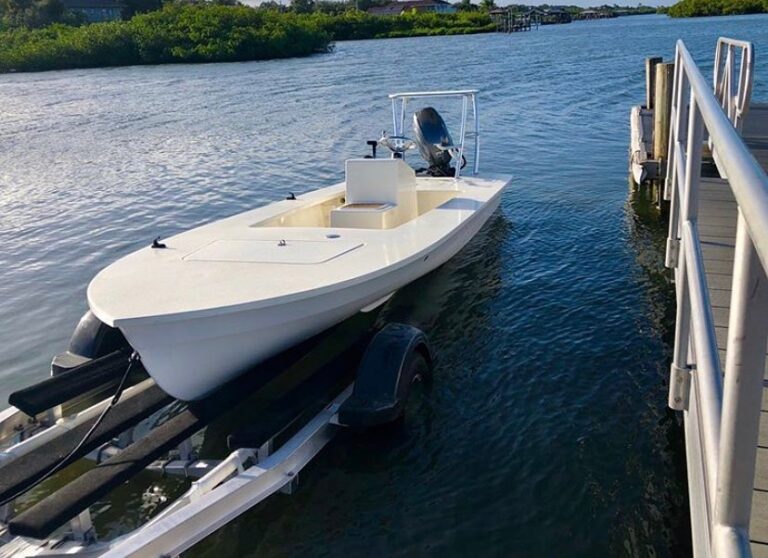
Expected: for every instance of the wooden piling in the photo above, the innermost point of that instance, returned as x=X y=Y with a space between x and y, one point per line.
x=662 y=102
x=650 y=79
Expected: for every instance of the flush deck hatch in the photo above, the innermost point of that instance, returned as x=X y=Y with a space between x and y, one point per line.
x=273 y=251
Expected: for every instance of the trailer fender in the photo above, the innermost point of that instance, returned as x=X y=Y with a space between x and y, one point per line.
x=398 y=356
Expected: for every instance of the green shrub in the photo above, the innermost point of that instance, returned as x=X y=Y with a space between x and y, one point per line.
x=698 y=8
x=360 y=25
x=212 y=33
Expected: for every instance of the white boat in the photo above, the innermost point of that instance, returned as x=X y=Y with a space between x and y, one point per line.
x=205 y=305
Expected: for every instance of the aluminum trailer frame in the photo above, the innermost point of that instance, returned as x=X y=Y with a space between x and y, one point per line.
x=225 y=489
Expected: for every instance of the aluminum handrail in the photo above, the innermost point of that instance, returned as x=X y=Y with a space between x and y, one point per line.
x=746 y=177
x=722 y=415
x=735 y=104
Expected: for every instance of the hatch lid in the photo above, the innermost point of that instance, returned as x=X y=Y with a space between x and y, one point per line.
x=273 y=251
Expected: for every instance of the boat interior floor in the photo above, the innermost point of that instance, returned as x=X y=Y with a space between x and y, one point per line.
x=319 y=214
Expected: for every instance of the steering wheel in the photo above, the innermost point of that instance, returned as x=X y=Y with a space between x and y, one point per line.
x=397 y=144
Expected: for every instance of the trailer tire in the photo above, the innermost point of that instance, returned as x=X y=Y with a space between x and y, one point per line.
x=397 y=357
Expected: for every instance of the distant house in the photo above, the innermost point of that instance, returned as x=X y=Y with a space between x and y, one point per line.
x=602 y=13
x=96 y=10
x=388 y=10
x=550 y=16
x=397 y=8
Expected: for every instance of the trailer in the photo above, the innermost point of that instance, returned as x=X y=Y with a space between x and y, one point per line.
x=144 y=429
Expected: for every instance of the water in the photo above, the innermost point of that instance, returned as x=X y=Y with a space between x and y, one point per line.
x=545 y=432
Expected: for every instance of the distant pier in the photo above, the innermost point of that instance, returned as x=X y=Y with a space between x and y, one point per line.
x=509 y=22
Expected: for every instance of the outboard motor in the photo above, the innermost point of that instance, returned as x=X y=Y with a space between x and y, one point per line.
x=434 y=141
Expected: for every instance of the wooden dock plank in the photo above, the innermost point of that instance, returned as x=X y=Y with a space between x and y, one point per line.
x=717 y=252
x=718 y=214
x=758 y=526
x=759 y=550
x=763 y=439
x=761 y=470
x=756 y=122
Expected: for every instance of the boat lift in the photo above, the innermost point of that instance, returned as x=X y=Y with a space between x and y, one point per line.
x=259 y=465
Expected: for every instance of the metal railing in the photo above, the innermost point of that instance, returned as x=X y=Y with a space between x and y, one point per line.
x=721 y=412
x=468 y=99
x=734 y=96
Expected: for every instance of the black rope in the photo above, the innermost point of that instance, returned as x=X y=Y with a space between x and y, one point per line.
x=66 y=460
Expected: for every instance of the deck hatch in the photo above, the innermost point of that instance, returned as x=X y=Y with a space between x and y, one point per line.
x=273 y=251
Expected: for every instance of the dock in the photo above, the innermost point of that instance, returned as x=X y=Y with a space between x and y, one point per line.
x=718 y=215
x=711 y=151
x=508 y=21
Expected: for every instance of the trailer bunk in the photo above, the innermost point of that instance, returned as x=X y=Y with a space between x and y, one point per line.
x=265 y=456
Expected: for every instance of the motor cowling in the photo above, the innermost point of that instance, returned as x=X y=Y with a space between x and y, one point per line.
x=433 y=138
x=91 y=339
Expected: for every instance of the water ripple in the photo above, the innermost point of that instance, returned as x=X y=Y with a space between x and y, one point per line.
x=545 y=433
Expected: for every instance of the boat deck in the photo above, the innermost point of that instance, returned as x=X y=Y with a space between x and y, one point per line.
x=717 y=227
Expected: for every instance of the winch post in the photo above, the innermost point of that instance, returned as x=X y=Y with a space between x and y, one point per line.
x=82 y=527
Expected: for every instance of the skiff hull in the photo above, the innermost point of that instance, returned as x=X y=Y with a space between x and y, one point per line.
x=198 y=355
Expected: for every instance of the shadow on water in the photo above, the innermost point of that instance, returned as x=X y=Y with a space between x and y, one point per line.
x=667 y=498
x=442 y=304
x=458 y=292
x=286 y=390
x=303 y=380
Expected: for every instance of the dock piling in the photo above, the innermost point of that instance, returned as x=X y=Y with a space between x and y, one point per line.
x=662 y=106
x=650 y=79
x=650 y=128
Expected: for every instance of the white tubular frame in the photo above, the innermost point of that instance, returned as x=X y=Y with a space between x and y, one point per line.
x=734 y=96
x=721 y=414
x=237 y=484
x=468 y=97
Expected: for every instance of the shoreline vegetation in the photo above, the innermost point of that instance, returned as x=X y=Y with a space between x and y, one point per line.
x=212 y=33
x=39 y=35
x=703 y=8
x=196 y=33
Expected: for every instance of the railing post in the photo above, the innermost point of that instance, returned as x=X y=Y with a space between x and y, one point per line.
x=709 y=383
x=688 y=209
x=742 y=397
x=680 y=372
x=690 y=203
x=674 y=125
x=746 y=77
x=678 y=135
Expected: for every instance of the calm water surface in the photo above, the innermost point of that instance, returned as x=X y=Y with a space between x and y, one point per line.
x=545 y=433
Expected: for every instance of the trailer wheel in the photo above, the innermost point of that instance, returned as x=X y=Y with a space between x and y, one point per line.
x=397 y=357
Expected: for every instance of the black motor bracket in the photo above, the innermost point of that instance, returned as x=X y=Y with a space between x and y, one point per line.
x=91 y=339
x=97 y=355
x=398 y=356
